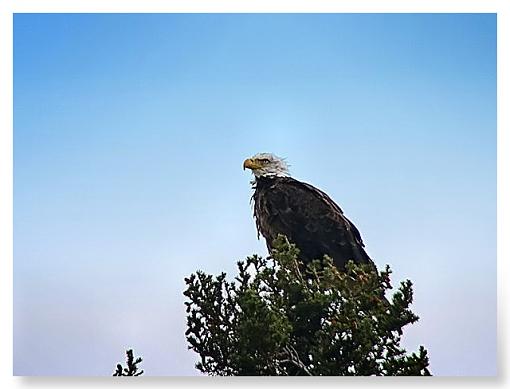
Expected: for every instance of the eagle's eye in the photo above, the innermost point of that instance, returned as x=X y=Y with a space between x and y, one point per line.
x=265 y=161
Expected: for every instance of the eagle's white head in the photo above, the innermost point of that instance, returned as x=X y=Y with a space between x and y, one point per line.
x=267 y=164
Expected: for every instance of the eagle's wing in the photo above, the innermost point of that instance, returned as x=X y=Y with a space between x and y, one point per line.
x=313 y=221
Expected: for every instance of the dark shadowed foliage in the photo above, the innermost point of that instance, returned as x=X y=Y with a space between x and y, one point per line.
x=132 y=366
x=282 y=317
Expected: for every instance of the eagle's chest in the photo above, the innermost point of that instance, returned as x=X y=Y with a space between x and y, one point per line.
x=270 y=202
x=272 y=211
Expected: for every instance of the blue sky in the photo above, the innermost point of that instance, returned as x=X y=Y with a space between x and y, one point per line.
x=129 y=137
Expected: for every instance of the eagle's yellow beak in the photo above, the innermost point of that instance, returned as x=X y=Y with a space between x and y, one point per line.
x=251 y=164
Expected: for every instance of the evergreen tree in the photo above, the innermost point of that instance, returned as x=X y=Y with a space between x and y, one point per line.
x=132 y=366
x=282 y=317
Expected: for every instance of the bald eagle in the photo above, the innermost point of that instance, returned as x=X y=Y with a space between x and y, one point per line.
x=308 y=217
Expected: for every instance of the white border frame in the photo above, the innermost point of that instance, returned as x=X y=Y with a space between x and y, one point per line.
x=9 y=7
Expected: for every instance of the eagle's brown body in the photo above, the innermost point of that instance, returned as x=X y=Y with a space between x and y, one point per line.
x=308 y=218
